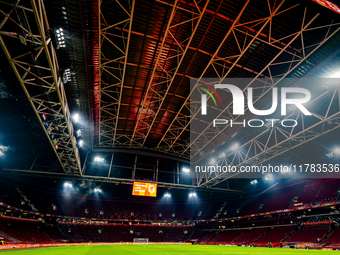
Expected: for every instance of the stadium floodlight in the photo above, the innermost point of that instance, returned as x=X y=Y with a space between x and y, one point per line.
x=253 y=182
x=269 y=176
x=222 y=155
x=78 y=132
x=3 y=149
x=167 y=194
x=99 y=159
x=335 y=75
x=98 y=190
x=68 y=185
x=333 y=152
x=212 y=161
x=81 y=143
x=292 y=108
x=192 y=194
x=60 y=38
x=327 y=86
x=186 y=169
x=76 y=118
x=67 y=76
x=235 y=146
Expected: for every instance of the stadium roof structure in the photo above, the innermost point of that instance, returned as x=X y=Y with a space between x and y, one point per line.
x=125 y=68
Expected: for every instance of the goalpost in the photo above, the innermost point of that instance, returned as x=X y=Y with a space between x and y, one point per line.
x=140 y=240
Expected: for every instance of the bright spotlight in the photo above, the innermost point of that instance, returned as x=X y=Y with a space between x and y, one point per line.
x=3 y=149
x=253 y=182
x=76 y=118
x=78 y=132
x=212 y=161
x=60 y=38
x=66 y=75
x=192 y=194
x=336 y=150
x=333 y=152
x=335 y=75
x=98 y=159
x=222 y=155
x=235 y=146
x=81 y=143
x=167 y=194
x=98 y=190
x=68 y=185
x=186 y=170
x=268 y=177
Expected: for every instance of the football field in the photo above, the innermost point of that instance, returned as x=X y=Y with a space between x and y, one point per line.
x=161 y=250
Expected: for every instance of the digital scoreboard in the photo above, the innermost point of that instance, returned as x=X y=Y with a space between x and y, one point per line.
x=144 y=189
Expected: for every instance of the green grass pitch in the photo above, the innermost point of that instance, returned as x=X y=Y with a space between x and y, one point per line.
x=162 y=250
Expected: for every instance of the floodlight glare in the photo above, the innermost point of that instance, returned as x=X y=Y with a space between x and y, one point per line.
x=253 y=182
x=222 y=155
x=235 y=146
x=186 y=170
x=335 y=75
x=268 y=177
x=98 y=159
x=1 y=153
x=68 y=185
x=333 y=152
x=167 y=194
x=192 y=194
x=98 y=190
x=78 y=132
x=212 y=161
x=336 y=150
x=76 y=118
x=81 y=143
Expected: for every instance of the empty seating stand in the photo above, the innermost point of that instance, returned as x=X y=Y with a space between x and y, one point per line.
x=276 y=235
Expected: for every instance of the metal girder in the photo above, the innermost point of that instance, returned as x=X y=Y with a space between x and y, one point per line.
x=277 y=140
x=183 y=120
x=33 y=59
x=169 y=140
x=117 y=180
x=112 y=71
x=171 y=48
x=211 y=133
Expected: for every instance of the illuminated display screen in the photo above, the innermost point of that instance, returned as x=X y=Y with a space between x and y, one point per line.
x=329 y=5
x=144 y=189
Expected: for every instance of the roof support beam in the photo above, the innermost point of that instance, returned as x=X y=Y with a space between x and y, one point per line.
x=278 y=140
x=37 y=70
x=164 y=138
x=112 y=71
x=293 y=64
x=160 y=82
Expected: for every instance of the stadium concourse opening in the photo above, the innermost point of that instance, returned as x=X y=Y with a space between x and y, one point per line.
x=108 y=108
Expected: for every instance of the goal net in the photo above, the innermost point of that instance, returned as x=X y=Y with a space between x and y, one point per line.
x=140 y=240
